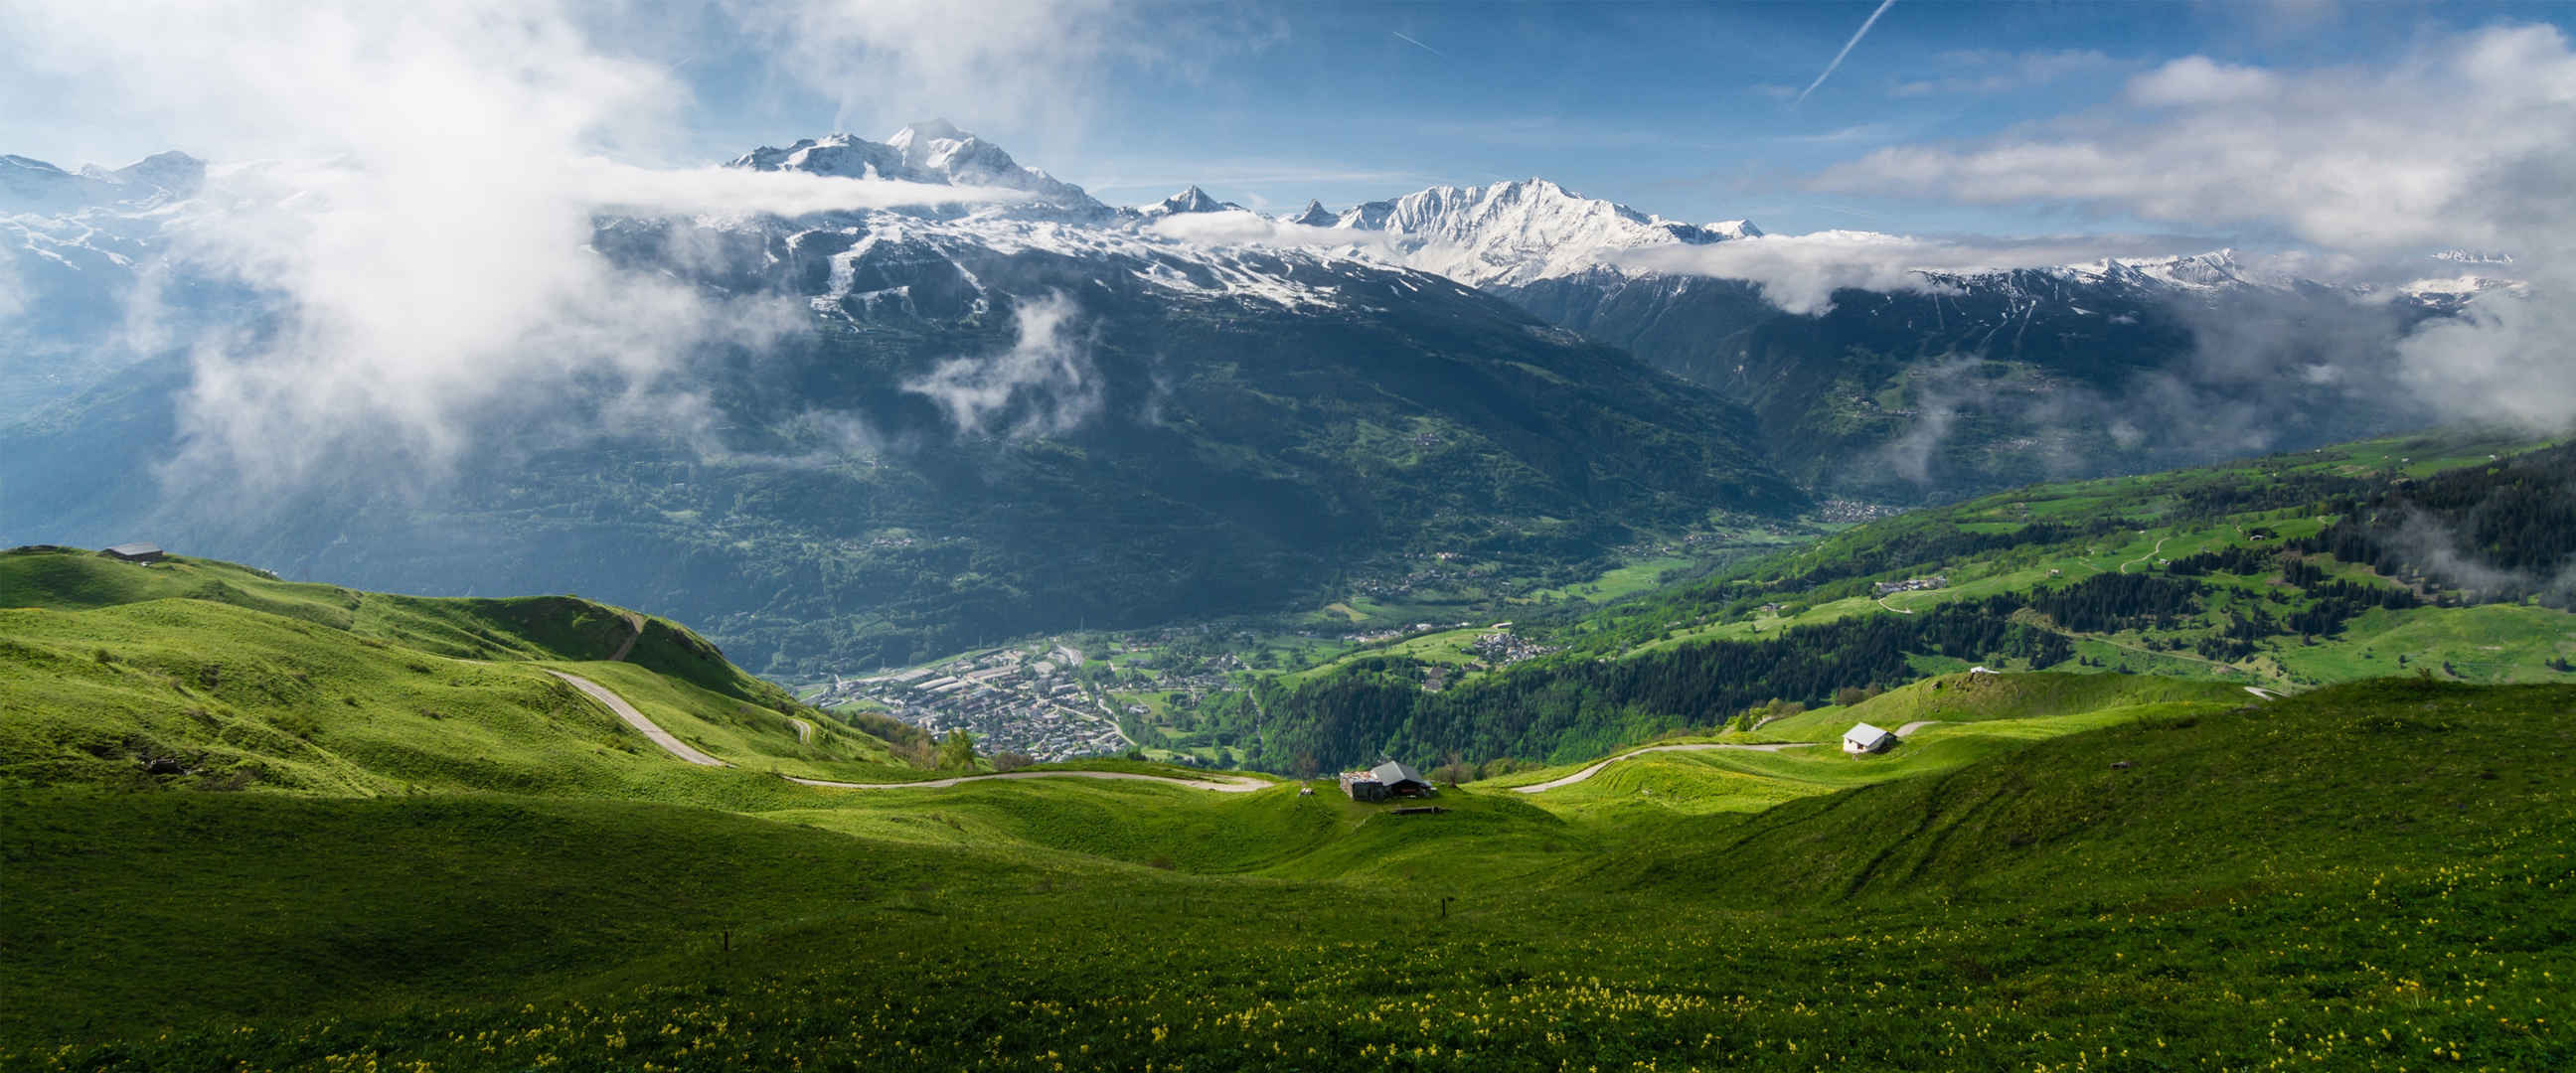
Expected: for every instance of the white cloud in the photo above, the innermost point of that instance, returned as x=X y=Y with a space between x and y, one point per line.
x=1238 y=228
x=2468 y=141
x=2457 y=144
x=2507 y=358
x=1043 y=386
x=426 y=234
x=738 y=191
x=1800 y=273
x=2199 y=80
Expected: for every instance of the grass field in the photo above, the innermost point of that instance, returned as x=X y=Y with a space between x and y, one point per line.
x=2364 y=877
x=246 y=825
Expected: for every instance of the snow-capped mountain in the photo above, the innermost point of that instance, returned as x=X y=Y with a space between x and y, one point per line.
x=933 y=151
x=1313 y=215
x=1190 y=200
x=1532 y=243
x=31 y=185
x=989 y=421
x=1516 y=232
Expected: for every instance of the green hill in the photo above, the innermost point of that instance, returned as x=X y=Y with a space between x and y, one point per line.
x=208 y=675
x=2283 y=573
x=2259 y=799
x=2354 y=878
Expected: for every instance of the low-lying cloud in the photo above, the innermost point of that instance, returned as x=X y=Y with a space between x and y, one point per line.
x=420 y=243
x=2468 y=140
x=1044 y=385
x=1241 y=228
x=1800 y=273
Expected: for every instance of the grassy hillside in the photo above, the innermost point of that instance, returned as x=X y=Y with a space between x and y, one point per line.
x=2258 y=799
x=1950 y=721
x=2284 y=573
x=2363 y=877
x=206 y=675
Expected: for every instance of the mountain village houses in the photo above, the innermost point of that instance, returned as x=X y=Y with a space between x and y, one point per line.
x=1008 y=700
x=1911 y=584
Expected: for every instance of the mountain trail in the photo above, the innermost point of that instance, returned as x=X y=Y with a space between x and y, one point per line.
x=1767 y=747
x=1231 y=784
x=636 y=719
x=635 y=621
x=2151 y=553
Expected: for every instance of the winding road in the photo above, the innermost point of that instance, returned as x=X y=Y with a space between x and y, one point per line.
x=2151 y=553
x=1768 y=747
x=1229 y=784
x=635 y=627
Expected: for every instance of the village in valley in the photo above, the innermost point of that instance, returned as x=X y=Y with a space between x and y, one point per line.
x=1013 y=700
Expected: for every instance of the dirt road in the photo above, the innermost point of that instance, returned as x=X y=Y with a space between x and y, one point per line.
x=1225 y=785
x=635 y=624
x=1229 y=784
x=1768 y=747
x=636 y=719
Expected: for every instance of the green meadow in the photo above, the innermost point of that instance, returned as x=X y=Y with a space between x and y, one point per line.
x=289 y=862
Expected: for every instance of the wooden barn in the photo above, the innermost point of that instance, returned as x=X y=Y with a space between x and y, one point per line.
x=1391 y=779
x=134 y=553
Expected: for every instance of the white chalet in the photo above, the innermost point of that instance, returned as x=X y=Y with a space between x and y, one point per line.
x=1864 y=738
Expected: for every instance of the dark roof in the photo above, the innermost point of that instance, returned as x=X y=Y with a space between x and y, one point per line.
x=130 y=551
x=1395 y=771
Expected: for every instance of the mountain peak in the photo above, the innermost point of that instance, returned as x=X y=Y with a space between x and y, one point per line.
x=1313 y=215
x=29 y=183
x=931 y=151
x=1189 y=200
x=1520 y=230
x=928 y=129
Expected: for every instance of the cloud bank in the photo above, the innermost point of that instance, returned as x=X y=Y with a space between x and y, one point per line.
x=424 y=235
x=2467 y=141
x=1800 y=273
x=1240 y=228
x=2463 y=142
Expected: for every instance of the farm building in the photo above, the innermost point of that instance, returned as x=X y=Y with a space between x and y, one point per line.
x=134 y=553
x=1864 y=738
x=1390 y=779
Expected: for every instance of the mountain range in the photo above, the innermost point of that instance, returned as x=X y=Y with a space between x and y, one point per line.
x=987 y=422
x=997 y=417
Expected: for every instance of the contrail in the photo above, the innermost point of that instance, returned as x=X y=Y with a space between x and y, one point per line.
x=1872 y=20
x=1443 y=55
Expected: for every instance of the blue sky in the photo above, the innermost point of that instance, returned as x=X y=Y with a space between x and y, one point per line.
x=1685 y=110
x=1679 y=109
